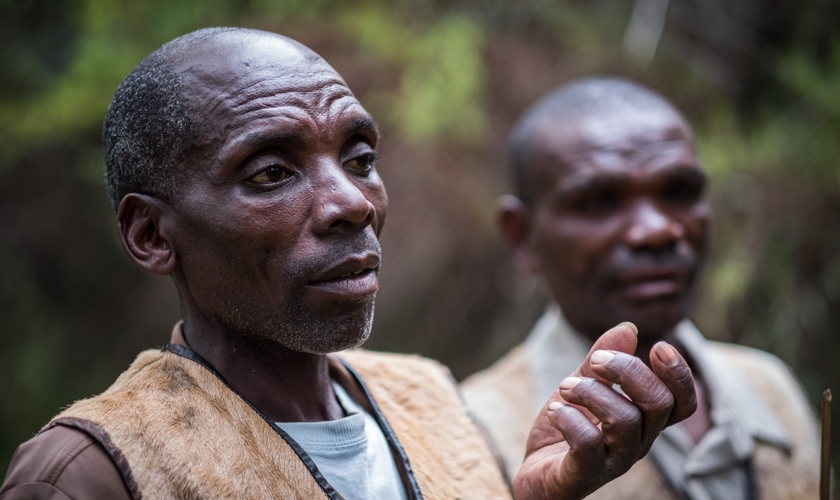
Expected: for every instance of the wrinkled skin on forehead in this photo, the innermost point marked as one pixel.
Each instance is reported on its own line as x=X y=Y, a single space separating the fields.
x=618 y=223
x=254 y=248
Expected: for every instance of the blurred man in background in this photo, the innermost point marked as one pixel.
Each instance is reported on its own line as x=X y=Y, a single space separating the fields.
x=610 y=212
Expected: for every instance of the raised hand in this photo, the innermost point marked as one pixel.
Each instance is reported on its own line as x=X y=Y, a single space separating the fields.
x=589 y=433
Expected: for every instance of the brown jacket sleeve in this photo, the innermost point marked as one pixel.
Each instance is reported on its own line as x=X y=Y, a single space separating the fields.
x=62 y=463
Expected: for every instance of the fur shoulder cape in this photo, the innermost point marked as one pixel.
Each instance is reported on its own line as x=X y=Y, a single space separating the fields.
x=175 y=430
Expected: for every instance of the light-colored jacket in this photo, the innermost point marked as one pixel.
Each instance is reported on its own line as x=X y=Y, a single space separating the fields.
x=760 y=417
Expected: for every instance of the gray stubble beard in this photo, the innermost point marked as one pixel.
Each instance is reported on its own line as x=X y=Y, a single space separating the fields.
x=311 y=335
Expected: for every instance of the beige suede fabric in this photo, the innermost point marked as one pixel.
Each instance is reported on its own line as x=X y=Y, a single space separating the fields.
x=184 y=434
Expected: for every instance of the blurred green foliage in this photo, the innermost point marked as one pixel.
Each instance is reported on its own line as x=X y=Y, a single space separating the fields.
x=441 y=89
x=760 y=81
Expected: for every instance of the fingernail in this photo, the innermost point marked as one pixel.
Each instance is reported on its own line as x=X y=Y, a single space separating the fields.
x=569 y=383
x=554 y=405
x=601 y=357
x=631 y=326
x=666 y=353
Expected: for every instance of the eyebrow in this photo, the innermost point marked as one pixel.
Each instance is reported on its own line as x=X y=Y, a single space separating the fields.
x=690 y=173
x=360 y=125
x=581 y=184
x=261 y=139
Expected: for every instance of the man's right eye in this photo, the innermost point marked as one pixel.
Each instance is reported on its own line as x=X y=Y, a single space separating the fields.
x=271 y=175
x=597 y=203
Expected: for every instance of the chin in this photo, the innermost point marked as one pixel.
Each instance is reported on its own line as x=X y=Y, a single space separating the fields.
x=314 y=334
x=656 y=320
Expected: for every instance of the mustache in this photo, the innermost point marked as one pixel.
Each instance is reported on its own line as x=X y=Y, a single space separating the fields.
x=335 y=252
x=677 y=259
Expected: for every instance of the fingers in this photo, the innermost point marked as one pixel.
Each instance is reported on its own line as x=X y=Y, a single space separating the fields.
x=621 y=420
x=663 y=396
x=602 y=432
x=621 y=338
x=649 y=395
x=586 y=458
x=674 y=372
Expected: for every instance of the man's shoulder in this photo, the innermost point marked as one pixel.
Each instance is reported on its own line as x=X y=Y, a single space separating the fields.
x=509 y=373
x=775 y=382
x=756 y=364
x=394 y=363
x=502 y=393
x=501 y=399
x=68 y=461
x=402 y=373
x=61 y=463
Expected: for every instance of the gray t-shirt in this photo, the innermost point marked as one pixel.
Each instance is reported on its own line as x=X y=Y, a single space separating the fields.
x=350 y=452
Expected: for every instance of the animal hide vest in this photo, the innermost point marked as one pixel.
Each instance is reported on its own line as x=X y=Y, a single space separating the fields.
x=175 y=430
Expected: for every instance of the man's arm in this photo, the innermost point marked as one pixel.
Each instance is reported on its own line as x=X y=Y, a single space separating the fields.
x=62 y=463
x=588 y=433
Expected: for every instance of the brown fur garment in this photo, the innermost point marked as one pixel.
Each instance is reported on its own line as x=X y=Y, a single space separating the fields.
x=184 y=434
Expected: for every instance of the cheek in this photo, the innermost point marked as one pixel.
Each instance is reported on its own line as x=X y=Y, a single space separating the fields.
x=696 y=223
x=572 y=249
x=241 y=243
x=377 y=195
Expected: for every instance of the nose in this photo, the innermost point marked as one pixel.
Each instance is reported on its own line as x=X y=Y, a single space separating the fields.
x=652 y=229
x=340 y=202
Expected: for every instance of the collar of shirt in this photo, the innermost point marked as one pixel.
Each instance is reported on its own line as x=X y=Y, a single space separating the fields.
x=739 y=417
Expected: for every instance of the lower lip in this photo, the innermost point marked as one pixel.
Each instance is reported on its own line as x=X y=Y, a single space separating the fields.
x=653 y=289
x=355 y=287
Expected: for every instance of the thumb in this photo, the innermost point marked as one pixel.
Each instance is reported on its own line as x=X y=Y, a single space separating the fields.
x=621 y=338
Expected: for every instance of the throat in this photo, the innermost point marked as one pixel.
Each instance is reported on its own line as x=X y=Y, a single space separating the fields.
x=284 y=385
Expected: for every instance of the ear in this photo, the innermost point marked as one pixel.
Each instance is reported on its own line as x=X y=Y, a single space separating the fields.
x=142 y=235
x=516 y=226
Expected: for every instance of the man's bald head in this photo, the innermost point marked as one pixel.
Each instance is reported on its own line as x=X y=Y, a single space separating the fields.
x=152 y=128
x=589 y=98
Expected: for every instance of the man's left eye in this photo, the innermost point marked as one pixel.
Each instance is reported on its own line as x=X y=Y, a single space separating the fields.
x=271 y=175
x=362 y=165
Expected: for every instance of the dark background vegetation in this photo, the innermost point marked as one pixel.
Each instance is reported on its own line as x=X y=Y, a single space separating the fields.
x=760 y=81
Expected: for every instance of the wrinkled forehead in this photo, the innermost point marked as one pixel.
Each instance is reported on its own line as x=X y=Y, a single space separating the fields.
x=622 y=138
x=237 y=74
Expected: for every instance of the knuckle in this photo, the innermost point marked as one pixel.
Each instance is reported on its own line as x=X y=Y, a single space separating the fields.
x=627 y=417
x=635 y=368
x=663 y=398
x=589 y=439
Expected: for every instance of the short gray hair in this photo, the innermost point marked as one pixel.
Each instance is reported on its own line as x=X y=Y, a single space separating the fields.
x=149 y=128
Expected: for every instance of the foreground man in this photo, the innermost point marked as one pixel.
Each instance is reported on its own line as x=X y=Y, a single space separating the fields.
x=241 y=164
x=610 y=212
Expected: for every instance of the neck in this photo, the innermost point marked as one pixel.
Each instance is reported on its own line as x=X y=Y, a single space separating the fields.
x=285 y=385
